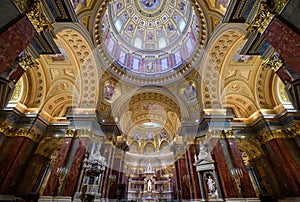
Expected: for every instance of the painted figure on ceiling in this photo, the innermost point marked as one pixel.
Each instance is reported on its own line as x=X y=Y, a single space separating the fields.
x=109 y=90
x=190 y=91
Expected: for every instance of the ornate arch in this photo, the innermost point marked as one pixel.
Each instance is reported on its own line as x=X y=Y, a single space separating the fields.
x=86 y=56
x=217 y=50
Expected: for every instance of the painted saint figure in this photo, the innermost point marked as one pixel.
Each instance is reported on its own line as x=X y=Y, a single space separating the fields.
x=190 y=91
x=109 y=91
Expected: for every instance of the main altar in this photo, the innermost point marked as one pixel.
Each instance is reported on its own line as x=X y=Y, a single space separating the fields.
x=147 y=187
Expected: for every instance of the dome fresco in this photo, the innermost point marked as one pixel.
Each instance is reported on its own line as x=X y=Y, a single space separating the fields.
x=150 y=37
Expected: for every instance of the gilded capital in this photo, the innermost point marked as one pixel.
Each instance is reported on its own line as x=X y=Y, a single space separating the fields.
x=27 y=61
x=276 y=134
x=38 y=18
x=263 y=18
x=26 y=132
x=70 y=133
x=214 y=134
x=220 y=134
x=5 y=129
x=273 y=62
x=23 y=5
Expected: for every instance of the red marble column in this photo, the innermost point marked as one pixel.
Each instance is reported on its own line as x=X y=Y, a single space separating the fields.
x=23 y=151
x=115 y=171
x=14 y=40
x=285 y=41
x=60 y=162
x=107 y=153
x=175 y=185
x=223 y=170
x=75 y=168
x=287 y=166
x=4 y=150
x=193 y=173
x=181 y=172
x=11 y=149
x=247 y=188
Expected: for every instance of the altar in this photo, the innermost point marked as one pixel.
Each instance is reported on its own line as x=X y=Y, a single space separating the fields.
x=148 y=188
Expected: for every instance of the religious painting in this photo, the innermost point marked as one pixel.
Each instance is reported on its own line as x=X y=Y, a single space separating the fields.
x=181 y=6
x=150 y=4
x=78 y=4
x=149 y=148
x=189 y=91
x=134 y=147
x=109 y=91
x=223 y=3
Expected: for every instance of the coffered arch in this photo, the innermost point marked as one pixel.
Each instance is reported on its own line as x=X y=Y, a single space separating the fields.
x=86 y=56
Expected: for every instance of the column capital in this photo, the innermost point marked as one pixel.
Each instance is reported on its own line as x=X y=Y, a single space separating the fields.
x=263 y=18
x=220 y=134
x=9 y=131
x=38 y=18
x=27 y=61
x=83 y=133
x=276 y=134
x=273 y=62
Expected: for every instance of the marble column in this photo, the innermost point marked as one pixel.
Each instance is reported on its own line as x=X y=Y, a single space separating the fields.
x=265 y=176
x=21 y=150
x=203 y=195
x=75 y=168
x=107 y=153
x=224 y=165
x=247 y=188
x=285 y=166
x=193 y=173
x=14 y=40
x=33 y=175
x=60 y=162
x=183 y=178
x=285 y=41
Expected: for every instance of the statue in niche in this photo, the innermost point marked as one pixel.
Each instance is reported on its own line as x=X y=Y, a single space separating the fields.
x=190 y=91
x=211 y=185
x=149 y=185
x=109 y=90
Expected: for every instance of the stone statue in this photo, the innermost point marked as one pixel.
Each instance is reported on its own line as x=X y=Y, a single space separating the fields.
x=211 y=184
x=203 y=155
x=149 y=184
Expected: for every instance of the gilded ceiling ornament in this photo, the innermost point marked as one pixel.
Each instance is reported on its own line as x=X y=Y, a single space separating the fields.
x=273 y=62
x=38 y=18
x=26 y=61
x=262 y=19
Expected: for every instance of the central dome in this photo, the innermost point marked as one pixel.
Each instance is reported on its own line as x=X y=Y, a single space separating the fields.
x=150 y=38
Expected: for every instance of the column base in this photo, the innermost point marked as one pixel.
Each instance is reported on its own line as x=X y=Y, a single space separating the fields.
x=242 y=200
x=289 y=199
x=55 y=199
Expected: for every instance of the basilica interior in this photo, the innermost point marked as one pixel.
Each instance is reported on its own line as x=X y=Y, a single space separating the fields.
x=150 y=100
